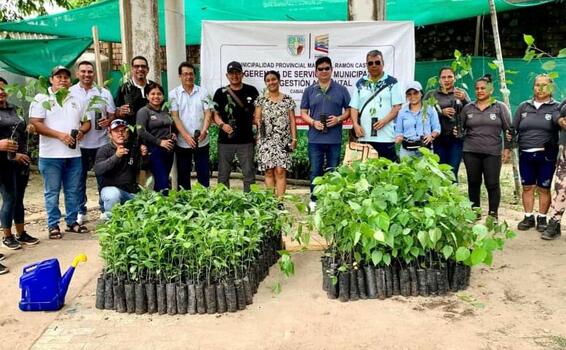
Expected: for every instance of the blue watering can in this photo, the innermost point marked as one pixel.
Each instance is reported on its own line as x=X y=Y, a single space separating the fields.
x=43 y=287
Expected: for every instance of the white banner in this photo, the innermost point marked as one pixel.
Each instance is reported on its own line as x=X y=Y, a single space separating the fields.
x=291 y=48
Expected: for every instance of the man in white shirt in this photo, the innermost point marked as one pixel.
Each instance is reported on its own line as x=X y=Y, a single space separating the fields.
x=100 y=106
x=189 y=109
x=60 y=128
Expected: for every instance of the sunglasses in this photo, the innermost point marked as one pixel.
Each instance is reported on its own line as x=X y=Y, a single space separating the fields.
x=321 y=69
x=139 y=66
x=372 y=63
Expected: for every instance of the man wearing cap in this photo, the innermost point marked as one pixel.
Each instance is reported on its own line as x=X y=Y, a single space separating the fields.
x=375 y=103
x=117 y=164
x=60 y=128
x=100 y=104
x=131 y=96
x=191 y=114
x=234 y=116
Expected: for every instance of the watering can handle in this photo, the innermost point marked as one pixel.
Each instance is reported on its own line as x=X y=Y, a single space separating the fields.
x=78 y=259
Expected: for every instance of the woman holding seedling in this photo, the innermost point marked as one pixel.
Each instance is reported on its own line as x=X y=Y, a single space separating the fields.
x=536 y=126
x=450 y=101
x=275 y=115
x=415 y=127
x=14 y=175
x=484 y=122
x=156 y=130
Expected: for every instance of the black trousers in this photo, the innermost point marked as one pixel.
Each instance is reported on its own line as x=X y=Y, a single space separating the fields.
x=488 y=166
x=13 y=181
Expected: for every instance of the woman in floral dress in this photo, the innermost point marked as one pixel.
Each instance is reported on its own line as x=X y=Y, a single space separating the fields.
x=275 y=115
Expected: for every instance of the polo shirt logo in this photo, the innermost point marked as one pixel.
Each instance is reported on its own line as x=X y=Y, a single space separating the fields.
x=524 y=115
x=548 y=116
x=492 y=116
x=470 y=115
x=153 y=117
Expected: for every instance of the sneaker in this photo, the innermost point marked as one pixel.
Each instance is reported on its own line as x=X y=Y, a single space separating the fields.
x=2 y=257
x=24 y=238
x=3 y=269
x=527 y=223
x=11 y=242
x=552 y=230
x=541 y=223
x=81 y=218
x=312 y=206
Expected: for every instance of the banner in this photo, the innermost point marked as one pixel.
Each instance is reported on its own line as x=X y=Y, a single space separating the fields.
x=291 y=48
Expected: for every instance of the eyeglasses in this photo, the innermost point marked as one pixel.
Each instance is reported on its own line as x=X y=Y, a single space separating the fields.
x=139 y=66
x=371 y=63
x=320 y=69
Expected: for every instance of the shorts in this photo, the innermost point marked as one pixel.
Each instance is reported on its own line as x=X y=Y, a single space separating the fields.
x=537 y=168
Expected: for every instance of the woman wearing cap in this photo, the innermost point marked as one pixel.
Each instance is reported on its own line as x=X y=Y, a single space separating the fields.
x=275 y=113
x=483 y=123
x=536 y=126
x=14 y=176
x=156 y=130
x=451 y=100
x=414 y=126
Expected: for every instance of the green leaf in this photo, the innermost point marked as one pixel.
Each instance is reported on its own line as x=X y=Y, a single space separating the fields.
x=562 y=53
x=492 y=66
x=434 y=234
x=357 y=237
x=387 y=259
x=478 y=255
x=457 y=54
x=355 y=206
x=276 y=289
x=480 y=231
x=548 y=65
x=376 y=257
x=462 y=254
x=447 y=251
x=379 y=236
x=423 y=238
x=528 y=39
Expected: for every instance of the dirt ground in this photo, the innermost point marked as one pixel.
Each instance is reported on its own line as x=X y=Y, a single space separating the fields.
x=518 y=303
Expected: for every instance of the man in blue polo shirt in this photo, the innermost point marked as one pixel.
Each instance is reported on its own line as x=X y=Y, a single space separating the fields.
x=375 y=103
x=324 y=107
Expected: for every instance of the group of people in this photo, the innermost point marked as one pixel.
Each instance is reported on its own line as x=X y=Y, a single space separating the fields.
x=137 y=132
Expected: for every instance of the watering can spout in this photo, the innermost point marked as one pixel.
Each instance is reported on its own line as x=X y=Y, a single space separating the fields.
x=66 y=278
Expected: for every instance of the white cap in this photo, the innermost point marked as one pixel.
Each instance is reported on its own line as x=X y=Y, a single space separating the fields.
x=414 y=85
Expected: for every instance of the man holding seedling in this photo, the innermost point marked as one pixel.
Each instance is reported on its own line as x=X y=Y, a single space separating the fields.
x=324 y=106
x=100 y=104
x=60 y=120
x=117 y=165
x=190 y=111
x=375 y=103
x=234 y=116
x=131 y=96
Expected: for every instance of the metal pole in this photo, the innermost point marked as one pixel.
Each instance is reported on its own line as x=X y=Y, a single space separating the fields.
x=97 y=63
x=504 y=91
x=477 y=41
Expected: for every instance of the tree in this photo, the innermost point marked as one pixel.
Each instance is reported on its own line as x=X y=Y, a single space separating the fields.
x=18 y=9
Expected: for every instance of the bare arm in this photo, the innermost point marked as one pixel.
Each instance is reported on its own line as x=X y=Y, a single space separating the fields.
x=388 y=117
x=44 y=130
x=181 y=128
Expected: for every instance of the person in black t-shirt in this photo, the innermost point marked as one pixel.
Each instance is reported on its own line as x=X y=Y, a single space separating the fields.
x=131 y=96
x=234 y=108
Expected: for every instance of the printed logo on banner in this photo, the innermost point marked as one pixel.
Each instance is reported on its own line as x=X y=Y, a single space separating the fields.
x=321 y=43
x=296 y=44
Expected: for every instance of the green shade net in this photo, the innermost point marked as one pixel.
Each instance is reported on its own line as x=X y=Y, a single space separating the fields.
x=521 y=85
x=105 y=15
x=37 y=57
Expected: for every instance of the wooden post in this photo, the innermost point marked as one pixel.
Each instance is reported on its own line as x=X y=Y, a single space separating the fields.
x=366 y=10
x=478 y=30
x=504 y=91
x=97 y=63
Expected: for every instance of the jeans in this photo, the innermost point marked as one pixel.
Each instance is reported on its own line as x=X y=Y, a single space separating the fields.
x=88 y=157
x=450 y=150
x=111 y=196
x=245 y=154
x=185 y=165
x=59 y=172
x=160 y=163
x=318 y=153
x=385 y=150
x=13 y=181
x=403 y=152
x=488 y=166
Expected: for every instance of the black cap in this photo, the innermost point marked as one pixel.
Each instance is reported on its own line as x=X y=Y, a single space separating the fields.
x=57 y=69
x=234 y=66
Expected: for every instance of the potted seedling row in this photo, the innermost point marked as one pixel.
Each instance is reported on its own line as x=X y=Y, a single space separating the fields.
x=196 y=252
x=399 y=229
